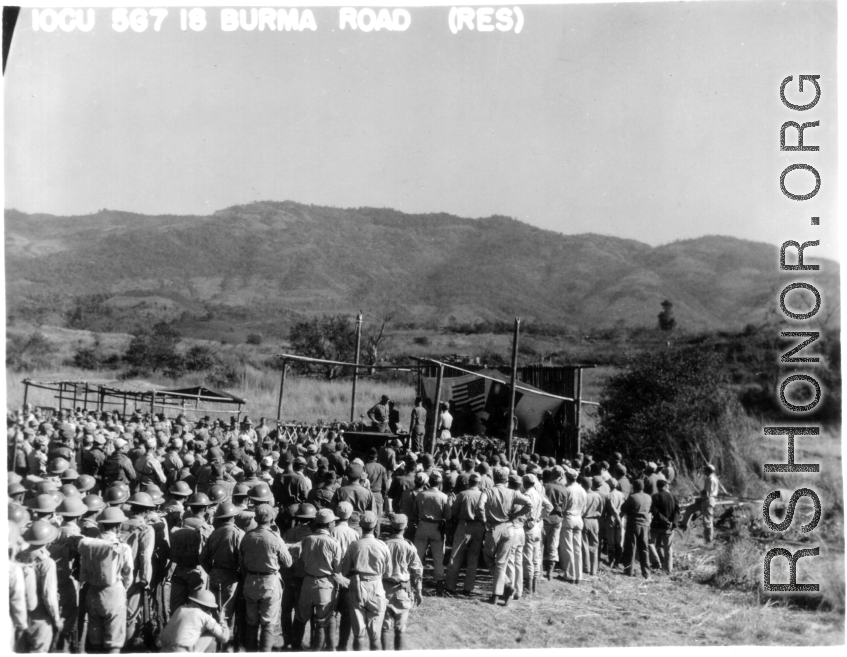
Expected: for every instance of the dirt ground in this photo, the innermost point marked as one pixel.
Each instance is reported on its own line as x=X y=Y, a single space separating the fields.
x=612 y=609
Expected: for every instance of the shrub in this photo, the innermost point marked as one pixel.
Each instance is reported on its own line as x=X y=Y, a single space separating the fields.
x=677 y=401
x=254 y=338
x=30 y=352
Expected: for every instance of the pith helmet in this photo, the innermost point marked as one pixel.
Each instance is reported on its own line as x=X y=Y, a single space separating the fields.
x=72 y=507
x=306 y=511
x=41 y=532
x=142 y=499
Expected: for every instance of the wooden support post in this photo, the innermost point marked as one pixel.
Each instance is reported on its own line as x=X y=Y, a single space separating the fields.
x=124 y=405
x=153 y=405
x=356 y=370
x=61 y=395
x=73 y=404
x=512 y=390
x=436 y=411
x=281 y=391
x=26 y=392
x=578 y=404
x=85 y=400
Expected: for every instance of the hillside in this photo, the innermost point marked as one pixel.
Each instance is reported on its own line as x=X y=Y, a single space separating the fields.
x=266 y=263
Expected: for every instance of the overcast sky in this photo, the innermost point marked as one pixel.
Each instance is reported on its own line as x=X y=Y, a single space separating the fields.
x=654 y=122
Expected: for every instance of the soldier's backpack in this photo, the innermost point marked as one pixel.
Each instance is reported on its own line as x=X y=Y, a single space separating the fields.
x=98 y=561
x=30 y=578
x=186 y=544
x=130 y=534
x=113 y=470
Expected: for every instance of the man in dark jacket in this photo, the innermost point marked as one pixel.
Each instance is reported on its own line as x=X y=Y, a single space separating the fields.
x=637 y=512
x=665 y=510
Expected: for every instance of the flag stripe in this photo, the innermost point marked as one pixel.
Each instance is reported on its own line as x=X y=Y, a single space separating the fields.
x=470 y=393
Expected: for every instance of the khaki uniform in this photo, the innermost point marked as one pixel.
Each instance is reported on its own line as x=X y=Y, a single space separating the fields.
x=404 y=574
x=106 y=566
x=365 y=563
x=261 y=555
x=500 y=505
x=570 y=542
x=190 y=629
x=468 y=539
x=431 y=509
x=219 y=559
x=321 y=557
x=44 y=613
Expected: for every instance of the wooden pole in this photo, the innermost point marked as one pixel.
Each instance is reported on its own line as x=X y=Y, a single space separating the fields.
x=512 y=390
x=578 y=404
x=356 y=370
x=26 y=392
x=153 y=405
x=73 y=404
x=61 y=395
x=86 y=397
x=436 y=411
x=281 y=391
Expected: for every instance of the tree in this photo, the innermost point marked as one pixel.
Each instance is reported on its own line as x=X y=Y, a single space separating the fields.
x=328 y=338
x=30 y=352
x=675 y=401
x=666 y=318
x=155 y=350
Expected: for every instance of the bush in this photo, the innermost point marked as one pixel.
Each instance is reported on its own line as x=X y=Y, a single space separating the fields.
x=675 y=401
x=254 y=338
x=30 y=352
x=422 y=340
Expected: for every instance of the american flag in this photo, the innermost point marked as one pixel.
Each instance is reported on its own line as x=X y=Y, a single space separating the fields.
x=471 y=394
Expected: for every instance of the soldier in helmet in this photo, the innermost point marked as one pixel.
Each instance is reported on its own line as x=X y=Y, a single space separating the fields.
x=62 y=549
x=260 y=556
x=106 y=566
x=216 y=495
x=44 y=620
x=292 y=577
x=17 y=583
x=193 y=628
x=402 y=580
x=141 y=539
x=92 y=461
x=94 y=504
x=116 y=495
x=321 y=556
x=187 y=543
x=365 y=563
x=219 y=559
x=240 y=498
x=43 y=507
x=85 y=484
x=179 y=492
x=55 y=469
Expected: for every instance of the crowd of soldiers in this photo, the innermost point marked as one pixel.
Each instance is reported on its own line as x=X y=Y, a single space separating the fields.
x=146 y=533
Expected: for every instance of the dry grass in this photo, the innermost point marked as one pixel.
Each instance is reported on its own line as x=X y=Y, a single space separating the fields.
x=305 y=400
x=614 y=610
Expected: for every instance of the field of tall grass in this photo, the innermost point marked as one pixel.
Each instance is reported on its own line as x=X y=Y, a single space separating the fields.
x=306 y=399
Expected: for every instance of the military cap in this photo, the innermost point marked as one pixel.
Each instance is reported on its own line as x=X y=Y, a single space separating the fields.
x=399 y=521
x=596 y=482
x=529 y=480
x=368 y=520
x=325 y=516
x=264 y=514
x=344 y=510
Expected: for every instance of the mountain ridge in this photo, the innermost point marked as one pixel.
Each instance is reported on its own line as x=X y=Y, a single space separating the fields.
x=290 y=259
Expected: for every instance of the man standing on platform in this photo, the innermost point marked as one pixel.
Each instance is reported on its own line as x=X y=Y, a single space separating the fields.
x=379 y=415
